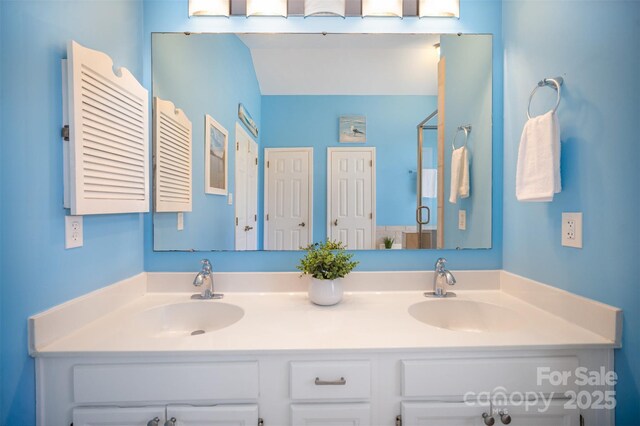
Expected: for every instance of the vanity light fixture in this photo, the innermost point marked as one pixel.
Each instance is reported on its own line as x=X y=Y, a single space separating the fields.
x=382 y=8
x=267 y=8
x=439 y=8
x=325 y=8
x=210 y=8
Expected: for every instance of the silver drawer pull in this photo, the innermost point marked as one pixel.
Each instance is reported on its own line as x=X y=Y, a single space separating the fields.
x=340 y=382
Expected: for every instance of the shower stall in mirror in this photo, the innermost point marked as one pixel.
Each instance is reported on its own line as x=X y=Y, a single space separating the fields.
x=426 y=185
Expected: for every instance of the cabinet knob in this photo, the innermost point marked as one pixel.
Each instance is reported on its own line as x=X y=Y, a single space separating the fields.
x=504 y=417
x=154 y=422
x=335 y=222
x=488 y=419
x=302 y=224
x=171 y=422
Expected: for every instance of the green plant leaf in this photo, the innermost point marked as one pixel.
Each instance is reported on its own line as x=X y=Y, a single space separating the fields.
x=326 y=261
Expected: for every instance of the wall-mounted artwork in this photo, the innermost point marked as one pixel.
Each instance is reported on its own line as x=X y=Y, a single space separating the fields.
x=216 y=157
x=353 y=129
x=246 y=119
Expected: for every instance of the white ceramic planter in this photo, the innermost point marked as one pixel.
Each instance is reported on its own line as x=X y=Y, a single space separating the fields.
x=325 y=292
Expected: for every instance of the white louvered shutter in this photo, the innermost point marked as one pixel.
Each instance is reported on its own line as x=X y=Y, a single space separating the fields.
x=108 y=136
x=172 y=158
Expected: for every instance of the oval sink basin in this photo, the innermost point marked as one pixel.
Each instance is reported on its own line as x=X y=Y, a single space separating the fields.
x=187 y=319
x=466 y=315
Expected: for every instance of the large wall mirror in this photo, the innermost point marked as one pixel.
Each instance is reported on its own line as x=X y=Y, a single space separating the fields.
x=381 y=141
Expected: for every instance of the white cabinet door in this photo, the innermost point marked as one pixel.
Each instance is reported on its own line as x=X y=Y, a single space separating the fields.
x=218 y=415
x=442 y=414
x=555 y=414
x=330 y=414
x=461 y=414
x=117 y=416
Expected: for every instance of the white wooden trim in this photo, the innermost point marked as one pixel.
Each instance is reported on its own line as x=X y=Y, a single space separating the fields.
x=330 y=150
x=208 y=122
x=266 y=190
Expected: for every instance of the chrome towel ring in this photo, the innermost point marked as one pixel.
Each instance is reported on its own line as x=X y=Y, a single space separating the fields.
x=467 y=129
x=555 y=83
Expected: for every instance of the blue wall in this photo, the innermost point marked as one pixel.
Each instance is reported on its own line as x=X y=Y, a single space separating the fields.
x=37 y=272
x=478 y=16
x=204 y=74
x=1 y=209
x=594 y=45
x=296 y=121
x=468 y=101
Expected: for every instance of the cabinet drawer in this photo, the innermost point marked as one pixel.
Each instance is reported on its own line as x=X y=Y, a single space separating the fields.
x=330 y=380
x=456 y=377
x=110 y=383
x=330 y=414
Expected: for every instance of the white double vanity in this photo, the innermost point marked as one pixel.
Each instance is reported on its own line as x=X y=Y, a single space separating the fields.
x=142 y=352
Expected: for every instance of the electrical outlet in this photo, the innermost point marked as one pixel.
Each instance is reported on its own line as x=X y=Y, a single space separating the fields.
x=180 y=221
x=462 y=220
x=73 y=232
x=572 y=230
x=230 y=199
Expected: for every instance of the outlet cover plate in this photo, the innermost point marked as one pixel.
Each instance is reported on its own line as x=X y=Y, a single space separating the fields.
x=73 y=232
x=572 y=229
x=180 y=221
x=462 y=220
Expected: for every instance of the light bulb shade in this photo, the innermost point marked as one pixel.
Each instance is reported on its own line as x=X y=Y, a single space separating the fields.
x=382 y=8
x=210 y=8
x=267 y=8
x=439 y=8
x=325 y=8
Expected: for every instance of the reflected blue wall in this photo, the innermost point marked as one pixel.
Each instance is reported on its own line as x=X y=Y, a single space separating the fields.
x=204 y=74
x=468 y=101
x=312 y=121
x=594 y=45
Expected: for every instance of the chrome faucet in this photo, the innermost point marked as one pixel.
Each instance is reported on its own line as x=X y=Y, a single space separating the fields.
x=206 y=274
x=441 y=279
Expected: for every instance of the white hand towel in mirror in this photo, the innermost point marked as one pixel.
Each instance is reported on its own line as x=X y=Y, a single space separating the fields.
x=429 y=183
x=459 y=175
x=538 y=169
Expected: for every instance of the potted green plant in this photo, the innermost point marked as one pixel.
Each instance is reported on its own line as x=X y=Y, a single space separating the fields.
x=327 y=263
x=388 y=242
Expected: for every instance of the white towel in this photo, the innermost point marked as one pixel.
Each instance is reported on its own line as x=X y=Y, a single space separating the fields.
x=459 y=175
x=538 y=170
x=429 y=183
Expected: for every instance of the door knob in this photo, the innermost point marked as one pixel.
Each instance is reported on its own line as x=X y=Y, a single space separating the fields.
x=302 y=224
x=335 y=222
x=171 y=422
x=504 y=417
x=488 y=420
x=248 y=228
x=154 y=422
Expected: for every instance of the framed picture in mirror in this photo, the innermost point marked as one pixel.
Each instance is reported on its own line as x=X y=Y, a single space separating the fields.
x=353 y=129
x=216 y=157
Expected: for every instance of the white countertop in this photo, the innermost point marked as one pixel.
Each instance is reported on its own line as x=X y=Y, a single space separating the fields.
x=287 y=321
